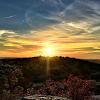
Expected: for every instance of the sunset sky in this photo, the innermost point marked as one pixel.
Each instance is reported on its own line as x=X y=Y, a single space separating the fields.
x=70 y=27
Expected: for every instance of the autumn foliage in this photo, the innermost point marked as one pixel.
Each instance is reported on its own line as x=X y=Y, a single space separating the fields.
x=78 y=88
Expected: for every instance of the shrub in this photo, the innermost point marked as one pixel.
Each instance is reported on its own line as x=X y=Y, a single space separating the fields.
x=79 y=89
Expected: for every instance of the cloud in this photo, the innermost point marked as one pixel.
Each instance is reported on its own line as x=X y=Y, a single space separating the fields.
x=90 y=49
x=25 y=48
x=70 y=26
x=40 y=14
x=13 y=42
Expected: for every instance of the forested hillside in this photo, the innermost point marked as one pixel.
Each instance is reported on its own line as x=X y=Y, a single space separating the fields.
x=60 y=67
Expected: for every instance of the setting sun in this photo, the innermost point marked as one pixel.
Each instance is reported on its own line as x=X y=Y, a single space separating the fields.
x=48 y=52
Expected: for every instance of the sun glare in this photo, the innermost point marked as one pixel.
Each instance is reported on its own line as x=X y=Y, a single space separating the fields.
x=48 y=52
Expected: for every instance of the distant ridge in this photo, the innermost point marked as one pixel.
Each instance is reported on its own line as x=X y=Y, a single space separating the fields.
x=95 y=61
